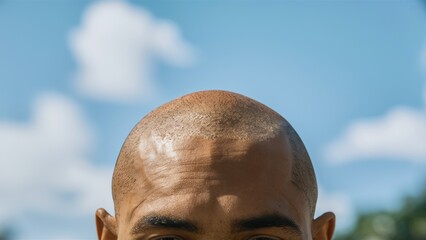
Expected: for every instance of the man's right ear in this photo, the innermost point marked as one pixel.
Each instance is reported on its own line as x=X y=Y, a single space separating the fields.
x=106 y=225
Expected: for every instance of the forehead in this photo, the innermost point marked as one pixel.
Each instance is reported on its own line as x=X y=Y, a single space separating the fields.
x=224 y=180
x=176 y=165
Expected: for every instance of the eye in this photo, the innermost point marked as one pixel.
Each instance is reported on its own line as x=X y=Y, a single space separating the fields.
x=264 y=237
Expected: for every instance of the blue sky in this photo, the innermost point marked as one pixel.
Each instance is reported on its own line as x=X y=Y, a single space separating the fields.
x=75 y=76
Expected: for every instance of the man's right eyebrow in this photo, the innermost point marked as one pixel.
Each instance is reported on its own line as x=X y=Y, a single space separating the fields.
x=266 y=221
x=164 y=222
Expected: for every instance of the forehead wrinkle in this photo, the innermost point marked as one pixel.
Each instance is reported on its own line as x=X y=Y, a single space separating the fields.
x=219 y=169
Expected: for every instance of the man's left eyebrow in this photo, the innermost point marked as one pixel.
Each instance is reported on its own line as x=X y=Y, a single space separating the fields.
x=266 y=221
x=164 y=222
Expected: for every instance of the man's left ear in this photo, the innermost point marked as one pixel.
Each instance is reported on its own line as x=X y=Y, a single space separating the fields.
x=323 y=226
x=106 y=225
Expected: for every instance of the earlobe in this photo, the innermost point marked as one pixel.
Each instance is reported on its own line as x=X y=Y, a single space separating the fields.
x=105 y=225
x=323 y=226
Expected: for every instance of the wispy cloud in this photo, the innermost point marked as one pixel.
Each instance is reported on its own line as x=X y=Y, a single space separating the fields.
x=45 y=166
x=117 y=45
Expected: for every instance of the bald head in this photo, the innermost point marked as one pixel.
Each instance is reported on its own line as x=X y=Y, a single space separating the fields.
x=214 y=165
x=215 y=116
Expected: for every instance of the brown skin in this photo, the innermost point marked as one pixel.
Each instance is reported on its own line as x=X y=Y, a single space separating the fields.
x=210 y=189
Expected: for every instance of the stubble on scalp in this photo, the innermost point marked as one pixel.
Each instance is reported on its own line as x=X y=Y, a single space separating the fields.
x=211 y=115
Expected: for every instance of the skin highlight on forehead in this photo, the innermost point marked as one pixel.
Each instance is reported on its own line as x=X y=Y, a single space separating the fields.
x=211 y=115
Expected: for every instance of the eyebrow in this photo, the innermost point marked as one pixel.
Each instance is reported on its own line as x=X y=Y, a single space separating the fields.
x=263 y=221
x=165 y=222
x=266 y=221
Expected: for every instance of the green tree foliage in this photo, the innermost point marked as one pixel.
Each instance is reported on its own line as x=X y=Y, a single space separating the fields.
x=407 y=223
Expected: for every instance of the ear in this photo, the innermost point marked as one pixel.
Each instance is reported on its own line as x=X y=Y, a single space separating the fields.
x=106 y=225
x=323 y=226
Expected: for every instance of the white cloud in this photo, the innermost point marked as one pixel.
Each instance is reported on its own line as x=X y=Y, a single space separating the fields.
x=339 y=204
x=116 y=47
x=400 y=134
x=44 y=164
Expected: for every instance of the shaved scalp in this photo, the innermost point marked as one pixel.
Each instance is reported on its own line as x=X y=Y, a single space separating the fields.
x=212 y=115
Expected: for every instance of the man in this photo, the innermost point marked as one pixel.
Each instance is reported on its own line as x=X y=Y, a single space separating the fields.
x=214 y=165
